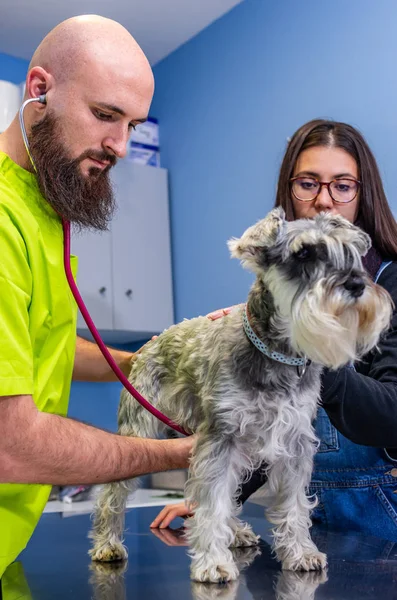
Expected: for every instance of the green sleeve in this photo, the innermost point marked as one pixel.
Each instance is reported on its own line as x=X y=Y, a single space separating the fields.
x=16 y=361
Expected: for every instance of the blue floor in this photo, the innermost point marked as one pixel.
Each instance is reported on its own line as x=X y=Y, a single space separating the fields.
x=55 y=566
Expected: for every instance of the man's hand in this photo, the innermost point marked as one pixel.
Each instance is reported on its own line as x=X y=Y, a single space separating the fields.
x=38 y=447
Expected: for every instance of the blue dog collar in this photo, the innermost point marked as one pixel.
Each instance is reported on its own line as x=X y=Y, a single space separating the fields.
x=282 y=358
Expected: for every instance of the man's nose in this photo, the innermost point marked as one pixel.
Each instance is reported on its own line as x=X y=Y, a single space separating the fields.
x=117 y=143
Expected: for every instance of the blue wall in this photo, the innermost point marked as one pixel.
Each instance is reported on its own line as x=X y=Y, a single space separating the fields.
x=229 y=98
x=13 y=69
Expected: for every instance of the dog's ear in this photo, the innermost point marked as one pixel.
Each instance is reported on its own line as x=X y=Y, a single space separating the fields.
x=349 y=233
x=362 y=242
x=255 y=239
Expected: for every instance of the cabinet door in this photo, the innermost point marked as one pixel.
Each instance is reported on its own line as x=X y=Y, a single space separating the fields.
x=94 y=277
x=141 y=250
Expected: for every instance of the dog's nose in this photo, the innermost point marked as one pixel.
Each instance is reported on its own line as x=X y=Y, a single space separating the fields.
x=355 y=285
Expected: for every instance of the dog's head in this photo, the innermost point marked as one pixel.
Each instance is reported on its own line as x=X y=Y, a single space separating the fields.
x=313 y=269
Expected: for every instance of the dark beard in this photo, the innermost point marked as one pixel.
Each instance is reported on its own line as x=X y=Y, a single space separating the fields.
x=87 y=201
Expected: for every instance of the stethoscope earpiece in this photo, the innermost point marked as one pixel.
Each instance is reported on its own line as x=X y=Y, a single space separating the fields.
x=43 y=100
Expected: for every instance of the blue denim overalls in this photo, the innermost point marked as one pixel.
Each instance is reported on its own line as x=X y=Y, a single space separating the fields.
x=356 y=485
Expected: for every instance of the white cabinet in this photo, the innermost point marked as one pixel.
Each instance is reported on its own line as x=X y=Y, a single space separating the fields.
x=94 y=278
x=125 y=274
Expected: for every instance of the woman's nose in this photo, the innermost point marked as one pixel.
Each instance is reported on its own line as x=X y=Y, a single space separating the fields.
x=324 y=199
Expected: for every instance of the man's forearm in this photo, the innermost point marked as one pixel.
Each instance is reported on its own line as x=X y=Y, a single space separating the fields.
x=90 y=364
x=50 y=449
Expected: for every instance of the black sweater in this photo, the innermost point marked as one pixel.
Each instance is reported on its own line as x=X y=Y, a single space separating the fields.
x=361 y=403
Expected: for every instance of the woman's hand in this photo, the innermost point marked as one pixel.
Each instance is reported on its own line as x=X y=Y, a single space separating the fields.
x=169 y=513
x=217 y=314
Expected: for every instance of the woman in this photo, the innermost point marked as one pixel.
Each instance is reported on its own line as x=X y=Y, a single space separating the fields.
x=328 y=166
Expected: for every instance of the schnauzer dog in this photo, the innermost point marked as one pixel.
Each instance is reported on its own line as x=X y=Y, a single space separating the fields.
x=249 y=385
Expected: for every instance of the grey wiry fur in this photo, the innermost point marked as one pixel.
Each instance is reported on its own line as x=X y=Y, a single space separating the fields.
x=311 y=298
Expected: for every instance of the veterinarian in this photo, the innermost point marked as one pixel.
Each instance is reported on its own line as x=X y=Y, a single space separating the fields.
x=98 y=85
x=355 y=471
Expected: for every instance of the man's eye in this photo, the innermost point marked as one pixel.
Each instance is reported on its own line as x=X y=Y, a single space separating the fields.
x=103 y=116
x=131 y=126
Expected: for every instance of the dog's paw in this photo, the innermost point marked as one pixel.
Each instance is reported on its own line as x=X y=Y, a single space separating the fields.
x=245 y=537
x=109 y=552
x=308 y=561
x=214 y=573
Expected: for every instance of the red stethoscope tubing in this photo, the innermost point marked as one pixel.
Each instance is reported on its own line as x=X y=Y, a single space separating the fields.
x=91 y=326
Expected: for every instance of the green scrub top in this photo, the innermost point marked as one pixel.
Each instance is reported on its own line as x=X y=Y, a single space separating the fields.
x=37 y=330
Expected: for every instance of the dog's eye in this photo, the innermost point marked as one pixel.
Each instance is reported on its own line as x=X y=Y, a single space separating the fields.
x=304 y=253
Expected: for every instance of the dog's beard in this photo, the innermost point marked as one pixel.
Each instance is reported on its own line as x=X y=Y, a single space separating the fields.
x=333 y=329
x=87 y=201
x=375 y=312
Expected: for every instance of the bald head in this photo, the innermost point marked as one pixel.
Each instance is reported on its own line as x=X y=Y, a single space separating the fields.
x=98 y=86
x=71 y=48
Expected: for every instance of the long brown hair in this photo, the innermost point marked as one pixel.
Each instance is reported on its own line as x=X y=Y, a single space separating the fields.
x=374 y=214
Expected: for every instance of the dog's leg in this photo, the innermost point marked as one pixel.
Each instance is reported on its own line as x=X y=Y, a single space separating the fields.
x=243 y=534
x=290 y=510
x=108 y=528
x=215 y=474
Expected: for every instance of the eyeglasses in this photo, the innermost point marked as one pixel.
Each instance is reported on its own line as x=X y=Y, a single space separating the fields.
x=342 y=191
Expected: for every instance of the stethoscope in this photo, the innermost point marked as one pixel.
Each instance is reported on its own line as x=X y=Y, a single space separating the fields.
x=80 y=303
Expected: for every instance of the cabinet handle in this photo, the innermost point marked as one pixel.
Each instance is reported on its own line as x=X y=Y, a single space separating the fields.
x=102 y=290
x=128 y=293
